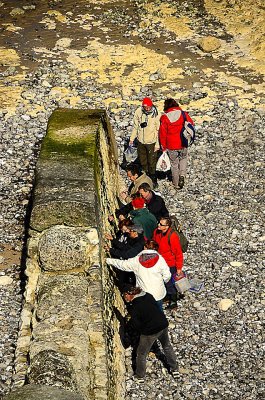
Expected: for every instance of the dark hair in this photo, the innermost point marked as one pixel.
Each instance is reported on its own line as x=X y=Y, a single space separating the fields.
x=170 y=103
x=125 y=222
x=130 y=289
x=151 y=245
x=134 y=169
x=146 y=187
x=167 y=219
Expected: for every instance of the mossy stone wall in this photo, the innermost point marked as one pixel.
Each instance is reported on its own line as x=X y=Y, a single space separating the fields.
x=69 y=331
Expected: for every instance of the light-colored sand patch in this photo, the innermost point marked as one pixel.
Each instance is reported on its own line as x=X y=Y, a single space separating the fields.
x=9 y=57
x=9 y=98
x=245 y=20
x=58 y=16
x=124 y=65
x=12 y=28
x=165 y=15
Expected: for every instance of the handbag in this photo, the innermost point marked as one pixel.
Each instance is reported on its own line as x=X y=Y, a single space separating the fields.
x=130 y=154
x=163 y=163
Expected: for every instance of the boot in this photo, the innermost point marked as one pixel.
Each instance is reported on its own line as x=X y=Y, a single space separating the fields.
x=181 y=182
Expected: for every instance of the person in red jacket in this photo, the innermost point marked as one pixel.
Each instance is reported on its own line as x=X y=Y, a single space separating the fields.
x=170 y=248
x=171 y=124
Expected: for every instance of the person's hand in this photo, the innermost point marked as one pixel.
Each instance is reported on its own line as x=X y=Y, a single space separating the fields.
x=108 y=236
x=157 y=148
x=110 y=218
x=121 y=217
x=180 y=273
x=106 y=247
x=123 y=195
x=130 y=142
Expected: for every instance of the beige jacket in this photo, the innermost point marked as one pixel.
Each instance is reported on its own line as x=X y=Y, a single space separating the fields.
x=141 y=179
x=149 y=134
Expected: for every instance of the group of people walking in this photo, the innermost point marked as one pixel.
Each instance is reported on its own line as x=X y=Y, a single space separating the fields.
x=155 y=131
x=145 y=251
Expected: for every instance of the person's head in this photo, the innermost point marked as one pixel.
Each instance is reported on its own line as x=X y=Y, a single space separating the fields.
x=164 y=224
x=147 y=104
x=133 y=172
x=145 y=190
x=151 y=245
x=124 y=225
x=138 y=202
x=170 y=103
x=129 y=292
x=135 y=231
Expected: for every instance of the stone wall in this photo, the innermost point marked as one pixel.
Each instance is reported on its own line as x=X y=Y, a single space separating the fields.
x=69 y=333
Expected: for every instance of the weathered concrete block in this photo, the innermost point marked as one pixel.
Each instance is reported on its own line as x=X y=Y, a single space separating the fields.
x=42 y=392
x=49 y=367
x=63 y=248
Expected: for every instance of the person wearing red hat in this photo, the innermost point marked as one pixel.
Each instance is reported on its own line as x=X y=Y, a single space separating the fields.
x=142 y=216
x=146 y=124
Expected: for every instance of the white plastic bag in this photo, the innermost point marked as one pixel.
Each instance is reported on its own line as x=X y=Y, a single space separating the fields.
x=130 y=154
x=163 y=163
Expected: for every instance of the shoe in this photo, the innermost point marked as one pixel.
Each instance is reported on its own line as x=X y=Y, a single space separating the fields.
x=175 y=373
x=171 y=306
x=181 y=182
x=138 y=379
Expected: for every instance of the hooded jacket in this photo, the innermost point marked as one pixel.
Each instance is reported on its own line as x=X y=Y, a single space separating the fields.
x=148 y=134
x=143 y=217
x=150 y=269
x=128 y=249
x=170 y=249
x=171 y=124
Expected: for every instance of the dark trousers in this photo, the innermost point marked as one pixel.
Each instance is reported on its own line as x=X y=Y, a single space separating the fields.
x=148 y=157
x=145 y=344
x=170 y=287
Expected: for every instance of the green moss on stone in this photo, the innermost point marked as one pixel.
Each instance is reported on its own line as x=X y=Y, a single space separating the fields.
x=71 y=133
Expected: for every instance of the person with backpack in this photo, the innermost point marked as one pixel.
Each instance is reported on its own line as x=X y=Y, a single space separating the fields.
x=146 y=123
x=170 y=248
x=172 y=123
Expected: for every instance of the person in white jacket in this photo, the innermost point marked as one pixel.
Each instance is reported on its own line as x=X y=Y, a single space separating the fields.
x=150 y=269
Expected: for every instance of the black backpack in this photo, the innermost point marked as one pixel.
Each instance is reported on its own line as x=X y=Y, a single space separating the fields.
x=176 y=227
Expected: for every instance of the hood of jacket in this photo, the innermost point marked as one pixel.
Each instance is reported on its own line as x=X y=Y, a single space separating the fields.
x=148 y=259
x=173 y=114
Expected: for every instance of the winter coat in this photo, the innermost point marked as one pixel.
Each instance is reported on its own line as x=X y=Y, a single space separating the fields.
x=146 y=317
x=143 y=217
x=135 y=185
x=156 y=206
x=131 y=248
x=149 y=134
x=150 y=269
x=169 y=248
x=171 y=124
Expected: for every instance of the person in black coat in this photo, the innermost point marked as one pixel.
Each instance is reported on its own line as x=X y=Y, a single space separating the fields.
x=124 y=250
x=151 y=323
x=154 y=203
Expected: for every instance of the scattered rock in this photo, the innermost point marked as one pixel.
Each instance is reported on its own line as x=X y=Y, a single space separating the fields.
x=209 y=44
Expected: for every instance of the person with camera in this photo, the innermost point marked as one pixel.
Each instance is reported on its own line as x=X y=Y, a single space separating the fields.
x=146 y=124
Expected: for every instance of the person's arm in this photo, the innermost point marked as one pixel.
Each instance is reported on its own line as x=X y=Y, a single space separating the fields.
x=163 y=132
x=157 y=126
x=177 y=251
x=123 y=265
x=136 y=123
x=124 y=210
x=165 y=271
x=163 y=209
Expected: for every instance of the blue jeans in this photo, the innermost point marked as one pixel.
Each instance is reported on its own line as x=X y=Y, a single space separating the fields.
x=145 y=345
x=171 y=289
